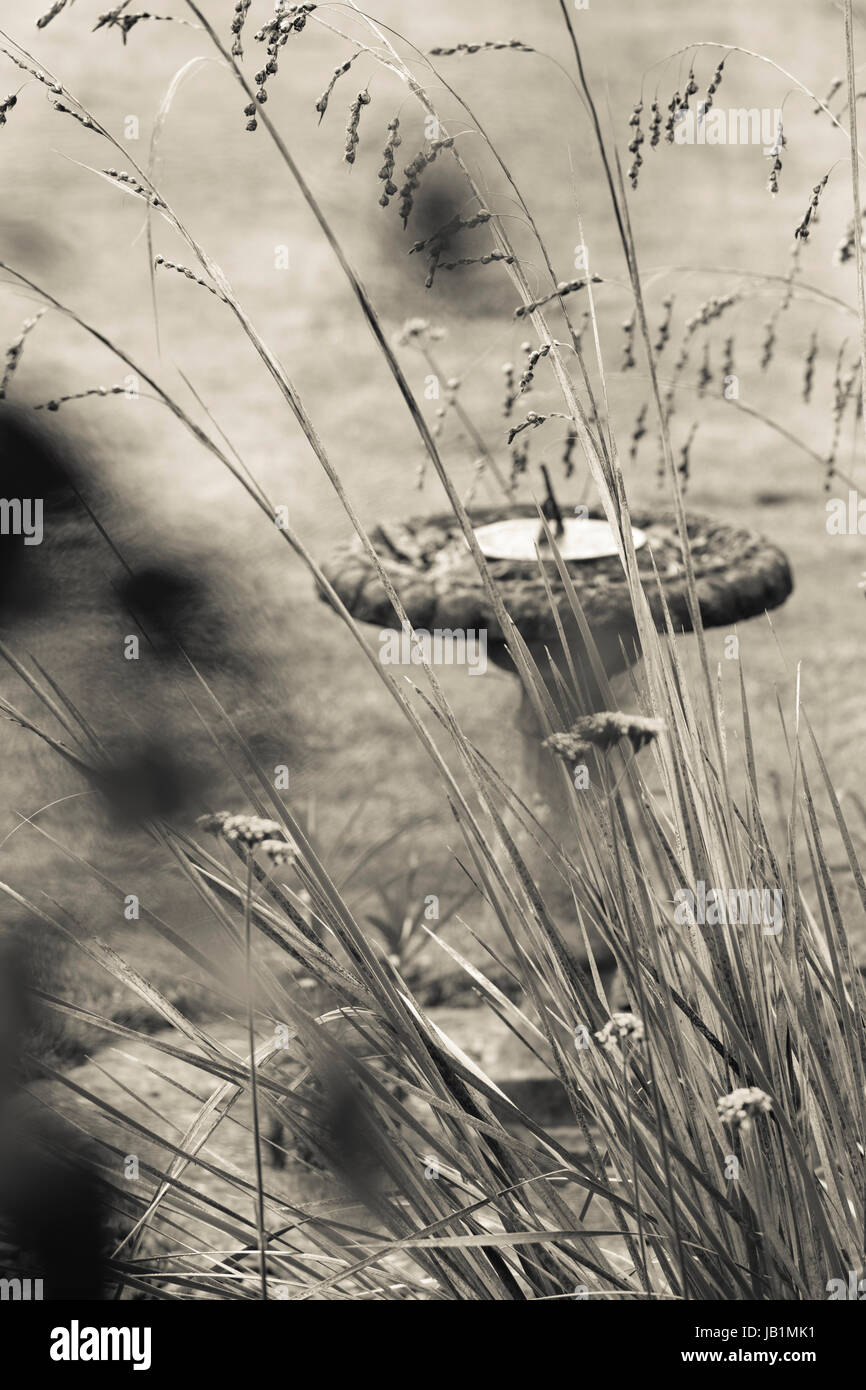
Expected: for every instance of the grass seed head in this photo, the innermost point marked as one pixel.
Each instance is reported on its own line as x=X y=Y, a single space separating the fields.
x=802 y=232
x=655 y=125
x=727 y=362
x=809 y=368
x=674 y=106
x=352 y=136
x=705 y=375
x=846 y=248
x=562 y=289
x=843 y=385
x=568 y=453
x=14 y=351
x=117 y=19
x=686 y=454
x=68 y=111
x=713 y=87
x=776 y=157
x=519 y=463
x=834 y=87
x=468 y=49
x=707 y=313
x=665 y=325
x=54 y=405
x=52 y=13
x=412 y=174
x=638 y=432
x=510 y=391
x=187 y=274
x=532 y=420
x=132 y=183
x=635 y=143
x=450 y=228
x=240 y=15
x=533 y=359
x=488 y=258
x=288 y=20
x=322 y=103
x=628 y=328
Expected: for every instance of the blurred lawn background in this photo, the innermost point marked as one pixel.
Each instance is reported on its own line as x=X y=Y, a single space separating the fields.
x=698 y=207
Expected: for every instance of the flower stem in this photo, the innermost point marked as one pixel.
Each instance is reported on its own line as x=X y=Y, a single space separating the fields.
x=254 y=1095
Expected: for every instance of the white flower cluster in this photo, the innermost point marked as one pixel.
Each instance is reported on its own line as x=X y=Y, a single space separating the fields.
x=741 y=1105
x=254 y=832
x=619 y=1027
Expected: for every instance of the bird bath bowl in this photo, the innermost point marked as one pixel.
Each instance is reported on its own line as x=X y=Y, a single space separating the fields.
x=738 y=574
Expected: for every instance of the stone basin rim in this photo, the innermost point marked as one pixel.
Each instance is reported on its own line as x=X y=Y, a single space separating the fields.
x=739 y=574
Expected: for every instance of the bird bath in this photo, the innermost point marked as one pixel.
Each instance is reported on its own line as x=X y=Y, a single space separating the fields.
x=738 y=575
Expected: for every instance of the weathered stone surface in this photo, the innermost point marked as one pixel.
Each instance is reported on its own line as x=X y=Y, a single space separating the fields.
x=739 y=574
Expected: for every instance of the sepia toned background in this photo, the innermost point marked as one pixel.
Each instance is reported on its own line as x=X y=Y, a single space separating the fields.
x=285 y=667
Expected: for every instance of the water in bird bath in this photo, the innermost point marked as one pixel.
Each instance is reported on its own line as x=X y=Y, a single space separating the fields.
x=583 y=538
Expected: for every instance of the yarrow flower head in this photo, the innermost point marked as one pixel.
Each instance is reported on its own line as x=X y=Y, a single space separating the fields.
x=603 y=731
x=418 y=331
x=619 y=1027
x=738 y=1108
x=279 y=851
x=248 y=830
